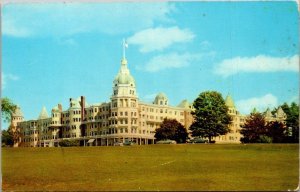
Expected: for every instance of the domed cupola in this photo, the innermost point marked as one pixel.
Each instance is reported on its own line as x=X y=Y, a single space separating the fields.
x=161 y=99
x=124 y=76
x=124 y=83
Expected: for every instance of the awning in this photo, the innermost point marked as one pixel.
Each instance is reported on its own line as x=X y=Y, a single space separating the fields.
x=91 y=141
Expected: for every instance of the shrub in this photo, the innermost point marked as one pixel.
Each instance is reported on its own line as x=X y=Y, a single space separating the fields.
x=68 y=143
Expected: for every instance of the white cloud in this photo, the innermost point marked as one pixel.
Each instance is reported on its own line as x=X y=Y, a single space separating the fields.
x=171 y=60
x=260 y=103
x=159 y=38
x=8 y=77
x=62 y=19
x=260 y=63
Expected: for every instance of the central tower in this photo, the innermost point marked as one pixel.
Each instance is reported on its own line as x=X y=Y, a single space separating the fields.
x=124 y=84
x=124 y=100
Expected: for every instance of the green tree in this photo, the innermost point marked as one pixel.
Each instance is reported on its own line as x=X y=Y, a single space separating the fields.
x=211 y=116
x=254 y=128
x=6 y=138
x=7 y=108
x=292 y=120
x=171 y=129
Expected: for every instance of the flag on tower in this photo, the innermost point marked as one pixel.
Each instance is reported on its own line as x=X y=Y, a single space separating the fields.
x=125 y=43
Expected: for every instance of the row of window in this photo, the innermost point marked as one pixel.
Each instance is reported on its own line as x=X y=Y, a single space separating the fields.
x=131 y=92
x=18 y=118
x=92 y=133
x=121 y=113
x=162 y=111
x=76 y=119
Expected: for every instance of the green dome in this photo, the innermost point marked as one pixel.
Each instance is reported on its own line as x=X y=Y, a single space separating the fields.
x=74 y=104
x=122 y=78
x=184 y=104
x=161 y=96
x=55 y=109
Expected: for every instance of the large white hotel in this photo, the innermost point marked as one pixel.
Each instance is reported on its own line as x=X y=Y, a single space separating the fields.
x=125 y=117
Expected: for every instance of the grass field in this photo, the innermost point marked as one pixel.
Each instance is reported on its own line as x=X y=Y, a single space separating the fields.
x=153 y=167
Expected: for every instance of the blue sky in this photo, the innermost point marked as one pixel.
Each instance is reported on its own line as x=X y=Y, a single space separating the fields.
x=51 y=52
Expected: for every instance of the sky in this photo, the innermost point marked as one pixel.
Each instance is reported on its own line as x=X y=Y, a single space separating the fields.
x=54 y=51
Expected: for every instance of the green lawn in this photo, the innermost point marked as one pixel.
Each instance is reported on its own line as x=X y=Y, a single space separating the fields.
x=153 y=167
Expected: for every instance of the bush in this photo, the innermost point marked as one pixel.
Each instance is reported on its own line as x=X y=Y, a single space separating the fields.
x=69 y=143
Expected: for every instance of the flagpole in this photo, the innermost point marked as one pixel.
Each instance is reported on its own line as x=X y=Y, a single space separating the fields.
x=123 y=48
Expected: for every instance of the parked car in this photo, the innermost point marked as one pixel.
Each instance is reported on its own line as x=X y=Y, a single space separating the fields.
x=198 y=140
x=166 y=142
x=129 y=143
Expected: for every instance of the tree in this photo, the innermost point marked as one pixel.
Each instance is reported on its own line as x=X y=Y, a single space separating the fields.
x=292 y=120
x=171 y=129
x=7 y=108
x=254 y=128
x=211 y=116
x=276 y=130
x=6 y=138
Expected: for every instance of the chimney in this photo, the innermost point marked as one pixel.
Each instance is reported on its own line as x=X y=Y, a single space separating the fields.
x=59 y=107
x=82 y=102
x=70 y=102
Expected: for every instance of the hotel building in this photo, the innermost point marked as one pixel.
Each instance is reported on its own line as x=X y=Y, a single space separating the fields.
x=123 y=118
